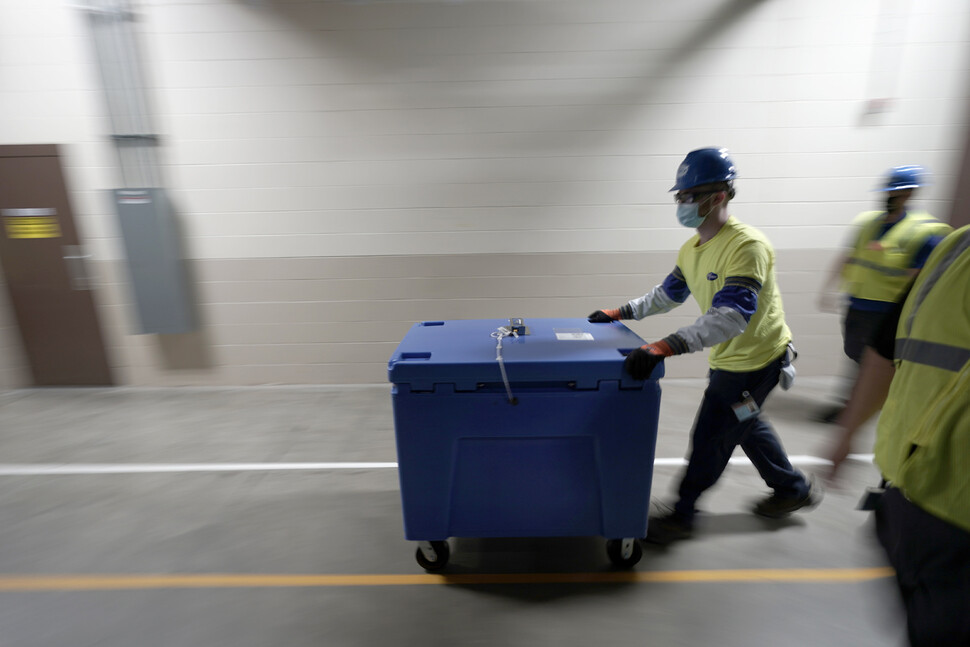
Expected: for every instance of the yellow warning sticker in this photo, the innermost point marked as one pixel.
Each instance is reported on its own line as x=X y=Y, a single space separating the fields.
x=32 y=227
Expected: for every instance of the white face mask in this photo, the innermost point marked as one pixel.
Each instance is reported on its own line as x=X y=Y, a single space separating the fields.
x=689 y=215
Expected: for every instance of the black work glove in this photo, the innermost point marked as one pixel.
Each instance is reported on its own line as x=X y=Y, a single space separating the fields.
x=641 y=362
x=604 y=316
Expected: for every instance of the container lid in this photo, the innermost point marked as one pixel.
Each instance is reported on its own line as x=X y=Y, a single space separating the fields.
x=463 y=353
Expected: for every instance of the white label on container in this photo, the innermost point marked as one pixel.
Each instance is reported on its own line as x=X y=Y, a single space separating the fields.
x=573 y=335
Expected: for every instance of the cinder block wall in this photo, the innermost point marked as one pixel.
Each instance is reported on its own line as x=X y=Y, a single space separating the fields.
x=344 y=169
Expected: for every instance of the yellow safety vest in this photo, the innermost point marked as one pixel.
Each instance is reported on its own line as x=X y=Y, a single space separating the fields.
x=878 y=269
x=923 y=437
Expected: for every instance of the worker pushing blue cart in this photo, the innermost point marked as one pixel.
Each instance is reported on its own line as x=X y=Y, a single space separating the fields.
x=507 y=428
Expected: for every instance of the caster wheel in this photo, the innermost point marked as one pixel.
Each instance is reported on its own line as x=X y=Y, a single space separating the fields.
x=432 y=555
x=624 y=553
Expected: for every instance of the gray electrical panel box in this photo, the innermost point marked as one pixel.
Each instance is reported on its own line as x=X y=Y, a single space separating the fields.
x=158 y=277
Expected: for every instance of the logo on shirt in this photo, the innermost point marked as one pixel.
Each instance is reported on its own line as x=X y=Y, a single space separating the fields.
x=711 y=276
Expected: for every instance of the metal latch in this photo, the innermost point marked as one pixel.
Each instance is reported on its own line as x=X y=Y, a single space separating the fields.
x=517 y=326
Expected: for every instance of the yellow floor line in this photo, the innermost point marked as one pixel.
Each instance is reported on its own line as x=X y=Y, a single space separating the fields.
x=106 y=582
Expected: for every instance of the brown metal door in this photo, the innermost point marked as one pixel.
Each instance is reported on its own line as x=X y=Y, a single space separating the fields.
x=45 y=272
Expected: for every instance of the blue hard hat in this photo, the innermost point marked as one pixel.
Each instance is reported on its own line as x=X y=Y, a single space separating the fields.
x=704 y=166
x=910 y=176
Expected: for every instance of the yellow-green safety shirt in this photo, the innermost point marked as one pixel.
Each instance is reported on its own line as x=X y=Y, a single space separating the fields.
x=742 y=254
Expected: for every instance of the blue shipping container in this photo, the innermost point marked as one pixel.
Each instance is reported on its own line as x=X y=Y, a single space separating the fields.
x=572 y=457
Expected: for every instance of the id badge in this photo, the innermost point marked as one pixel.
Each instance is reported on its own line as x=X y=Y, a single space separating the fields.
x=747 y=408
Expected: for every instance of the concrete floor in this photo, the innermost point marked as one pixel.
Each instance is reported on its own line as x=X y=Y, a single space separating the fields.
x=330 y=521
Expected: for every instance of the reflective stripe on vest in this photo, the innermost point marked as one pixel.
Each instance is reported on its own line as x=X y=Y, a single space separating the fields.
x=949 y=358
x=882 y=269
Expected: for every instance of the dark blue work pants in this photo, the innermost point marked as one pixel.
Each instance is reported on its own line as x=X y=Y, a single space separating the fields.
x=932 y=562
x=717 y=431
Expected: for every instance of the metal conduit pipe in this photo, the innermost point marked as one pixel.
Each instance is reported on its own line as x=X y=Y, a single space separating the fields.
x=111 y=24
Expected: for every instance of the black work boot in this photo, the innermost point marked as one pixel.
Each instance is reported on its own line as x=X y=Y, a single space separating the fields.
x=668 y=528
x=778 y=506
x=829 y=415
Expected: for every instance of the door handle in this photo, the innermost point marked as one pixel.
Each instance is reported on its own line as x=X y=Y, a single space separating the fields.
x=77 y=268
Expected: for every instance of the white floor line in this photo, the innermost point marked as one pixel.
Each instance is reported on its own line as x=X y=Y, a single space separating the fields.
x=148 y=468
x=155 y=468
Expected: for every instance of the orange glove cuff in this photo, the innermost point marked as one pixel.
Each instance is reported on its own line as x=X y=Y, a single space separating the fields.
x=659 y=348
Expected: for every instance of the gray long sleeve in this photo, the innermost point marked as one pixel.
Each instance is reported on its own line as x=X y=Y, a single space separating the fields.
x=654 y=302
x=714 y=327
